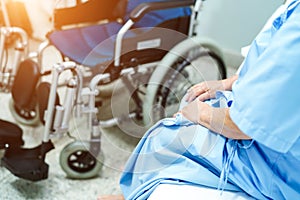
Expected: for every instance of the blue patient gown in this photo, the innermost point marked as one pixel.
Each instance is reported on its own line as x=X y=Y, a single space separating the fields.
x=264 y=104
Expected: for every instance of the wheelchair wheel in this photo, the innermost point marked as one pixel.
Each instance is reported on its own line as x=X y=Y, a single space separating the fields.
x=23 y=104
x=77 y=161
x=192 y=61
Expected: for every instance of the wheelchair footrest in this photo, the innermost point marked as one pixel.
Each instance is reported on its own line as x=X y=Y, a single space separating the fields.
x=10 y=134
x=28 y=164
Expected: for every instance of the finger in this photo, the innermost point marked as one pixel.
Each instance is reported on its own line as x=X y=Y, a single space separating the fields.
x=204 y=96
x=179 y=112
x=199 y=87
x=195 y=92
x=191 y=96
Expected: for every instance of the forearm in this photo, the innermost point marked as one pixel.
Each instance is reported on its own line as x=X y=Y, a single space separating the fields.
x=219 y=121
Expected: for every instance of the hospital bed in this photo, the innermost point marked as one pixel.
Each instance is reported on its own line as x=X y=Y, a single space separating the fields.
x=128 y=50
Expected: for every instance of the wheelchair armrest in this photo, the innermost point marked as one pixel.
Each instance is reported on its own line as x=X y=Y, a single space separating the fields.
x=144 y=8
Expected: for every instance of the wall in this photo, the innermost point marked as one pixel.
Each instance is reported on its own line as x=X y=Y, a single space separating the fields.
x=40 y=13
x=234 y=23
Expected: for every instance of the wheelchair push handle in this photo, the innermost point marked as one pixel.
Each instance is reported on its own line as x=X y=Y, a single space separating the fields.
x=144 y=8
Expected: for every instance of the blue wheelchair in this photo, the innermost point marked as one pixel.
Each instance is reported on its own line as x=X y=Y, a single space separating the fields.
x=151 y=46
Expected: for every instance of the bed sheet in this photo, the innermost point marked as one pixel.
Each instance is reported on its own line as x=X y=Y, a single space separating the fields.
x=192 y=192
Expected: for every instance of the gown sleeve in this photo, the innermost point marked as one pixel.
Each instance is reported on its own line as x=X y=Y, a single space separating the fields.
x=267 y=93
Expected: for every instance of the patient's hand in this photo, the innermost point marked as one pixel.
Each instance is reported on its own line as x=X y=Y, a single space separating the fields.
x=207 y=89
x=193 y=110
x=204 y=90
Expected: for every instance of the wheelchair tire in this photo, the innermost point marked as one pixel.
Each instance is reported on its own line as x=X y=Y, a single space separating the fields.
x=78 y=163
x=32 y=121
x=184 y=65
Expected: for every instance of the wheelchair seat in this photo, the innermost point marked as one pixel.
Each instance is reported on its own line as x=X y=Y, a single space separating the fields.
x=78 y=43
x=93 y=45
x=10 y=134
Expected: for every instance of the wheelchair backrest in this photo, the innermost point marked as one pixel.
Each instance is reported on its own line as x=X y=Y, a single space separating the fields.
x=95 y=10
x=155 y=18
x=88 y=12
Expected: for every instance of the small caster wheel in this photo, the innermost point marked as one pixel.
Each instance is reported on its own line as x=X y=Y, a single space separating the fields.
x=77 y=161
x=25 y=117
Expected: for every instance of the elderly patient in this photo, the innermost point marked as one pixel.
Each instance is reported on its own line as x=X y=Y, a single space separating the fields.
x=238 y=134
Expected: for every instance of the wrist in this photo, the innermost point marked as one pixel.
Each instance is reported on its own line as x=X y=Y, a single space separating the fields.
x=227 y=83
x=205 y=115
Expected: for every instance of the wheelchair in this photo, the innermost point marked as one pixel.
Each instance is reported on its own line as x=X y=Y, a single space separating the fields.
x=157 y=63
